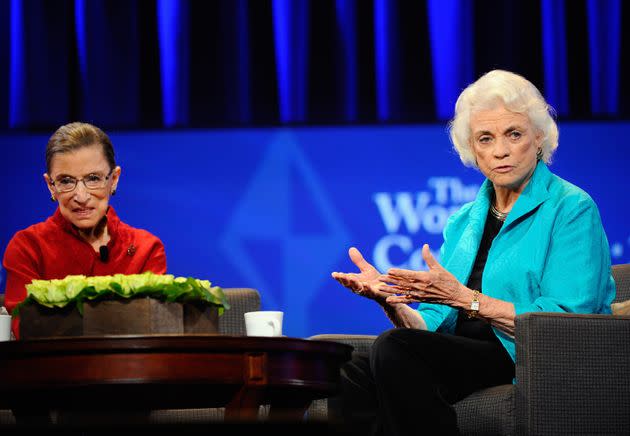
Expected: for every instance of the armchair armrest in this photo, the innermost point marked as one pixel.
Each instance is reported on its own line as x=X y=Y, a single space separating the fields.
x=361 y=343
x=572 y=374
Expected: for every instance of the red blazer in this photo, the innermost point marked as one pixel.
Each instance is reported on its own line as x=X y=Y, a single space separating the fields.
x=53 y=249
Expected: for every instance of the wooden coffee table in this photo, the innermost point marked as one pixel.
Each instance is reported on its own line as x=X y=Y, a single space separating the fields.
x=170 y=372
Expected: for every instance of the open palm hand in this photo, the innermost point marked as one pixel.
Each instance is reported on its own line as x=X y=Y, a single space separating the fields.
x=366 y=282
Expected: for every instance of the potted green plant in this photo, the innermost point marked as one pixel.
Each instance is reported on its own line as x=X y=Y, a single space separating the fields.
x=120 y=304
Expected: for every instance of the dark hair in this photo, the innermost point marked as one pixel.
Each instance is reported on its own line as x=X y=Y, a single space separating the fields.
x=73 y=136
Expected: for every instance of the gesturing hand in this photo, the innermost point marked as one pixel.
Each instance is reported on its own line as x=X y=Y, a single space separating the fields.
x=365 y=283
x=436 y=285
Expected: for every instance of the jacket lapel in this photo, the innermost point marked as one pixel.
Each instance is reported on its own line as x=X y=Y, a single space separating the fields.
x=535 y=193
x=468 y=245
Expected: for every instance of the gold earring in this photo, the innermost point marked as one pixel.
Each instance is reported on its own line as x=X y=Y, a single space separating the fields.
x=539 y=154
x=113 y=191
x=52 y=198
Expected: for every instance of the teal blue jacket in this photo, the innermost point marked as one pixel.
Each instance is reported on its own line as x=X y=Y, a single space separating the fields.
x=551 y=255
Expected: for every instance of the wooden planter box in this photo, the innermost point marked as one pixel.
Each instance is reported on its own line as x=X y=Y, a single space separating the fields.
x=138 y=316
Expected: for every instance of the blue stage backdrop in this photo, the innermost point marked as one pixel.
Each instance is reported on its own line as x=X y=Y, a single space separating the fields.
x=277 y=208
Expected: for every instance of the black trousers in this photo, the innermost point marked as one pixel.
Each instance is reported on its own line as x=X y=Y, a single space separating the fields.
x=411 y=378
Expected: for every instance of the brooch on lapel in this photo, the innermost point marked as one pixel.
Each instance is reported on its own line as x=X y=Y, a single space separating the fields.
x=131 y=250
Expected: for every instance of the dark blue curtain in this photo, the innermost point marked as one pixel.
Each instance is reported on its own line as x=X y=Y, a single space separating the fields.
x=198 y=63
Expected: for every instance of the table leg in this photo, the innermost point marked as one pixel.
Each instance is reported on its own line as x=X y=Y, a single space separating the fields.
x=244 y=406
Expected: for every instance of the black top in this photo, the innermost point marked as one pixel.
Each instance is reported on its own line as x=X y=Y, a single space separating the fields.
x=474 y=327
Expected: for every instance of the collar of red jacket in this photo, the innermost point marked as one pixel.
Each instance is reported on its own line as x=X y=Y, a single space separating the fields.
x=112 y=224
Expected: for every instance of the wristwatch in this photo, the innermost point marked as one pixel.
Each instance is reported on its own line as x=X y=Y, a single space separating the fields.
x=473 y=312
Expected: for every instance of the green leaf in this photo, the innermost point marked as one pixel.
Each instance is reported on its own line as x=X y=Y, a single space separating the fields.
x=76 y=289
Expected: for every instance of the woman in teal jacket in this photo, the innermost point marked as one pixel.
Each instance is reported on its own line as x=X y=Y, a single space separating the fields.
x=530 y=242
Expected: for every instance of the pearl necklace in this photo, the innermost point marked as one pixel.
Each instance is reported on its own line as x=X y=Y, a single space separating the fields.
x=501 y=216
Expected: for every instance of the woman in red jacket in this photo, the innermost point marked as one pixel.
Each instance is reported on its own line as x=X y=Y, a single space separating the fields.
x=84 y=235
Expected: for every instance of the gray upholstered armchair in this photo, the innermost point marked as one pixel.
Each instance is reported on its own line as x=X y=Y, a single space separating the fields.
x=572 y=376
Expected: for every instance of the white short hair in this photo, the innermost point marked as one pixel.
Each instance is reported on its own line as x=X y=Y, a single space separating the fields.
x=518 y=95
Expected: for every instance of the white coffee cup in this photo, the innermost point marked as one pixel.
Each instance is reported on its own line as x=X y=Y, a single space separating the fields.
x=5 y=327
x=264 y=323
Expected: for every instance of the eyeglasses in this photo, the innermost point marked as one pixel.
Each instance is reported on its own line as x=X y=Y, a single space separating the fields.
x=91 y=181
